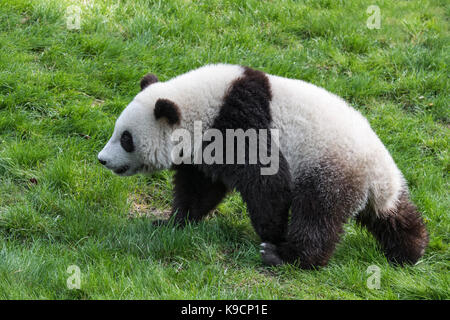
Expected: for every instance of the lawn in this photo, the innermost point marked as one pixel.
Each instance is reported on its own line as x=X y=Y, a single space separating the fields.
x=61 y=90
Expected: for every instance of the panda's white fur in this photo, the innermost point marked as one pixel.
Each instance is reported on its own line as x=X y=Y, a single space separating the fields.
x=315 y=126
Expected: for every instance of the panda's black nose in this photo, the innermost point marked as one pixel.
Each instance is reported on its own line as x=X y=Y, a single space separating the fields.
x=103 y=162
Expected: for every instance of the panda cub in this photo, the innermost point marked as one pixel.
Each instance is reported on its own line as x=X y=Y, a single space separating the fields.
x=332 y=166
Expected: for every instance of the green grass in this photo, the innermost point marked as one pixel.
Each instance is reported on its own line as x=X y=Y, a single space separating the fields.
x=61 y=91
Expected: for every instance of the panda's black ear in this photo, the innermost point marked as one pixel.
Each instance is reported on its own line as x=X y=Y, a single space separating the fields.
x=147 y=80
x=167 y=109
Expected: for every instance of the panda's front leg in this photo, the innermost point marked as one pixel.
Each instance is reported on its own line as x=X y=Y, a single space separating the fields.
x=195 y=195
x=268 y=199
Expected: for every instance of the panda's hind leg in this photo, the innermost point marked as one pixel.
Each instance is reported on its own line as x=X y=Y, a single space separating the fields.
x=400 y=232
x=324 y=197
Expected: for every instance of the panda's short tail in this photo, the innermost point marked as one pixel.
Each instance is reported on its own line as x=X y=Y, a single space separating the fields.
x=401 y=232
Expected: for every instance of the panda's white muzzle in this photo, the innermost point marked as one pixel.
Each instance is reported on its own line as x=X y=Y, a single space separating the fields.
x=115 y=159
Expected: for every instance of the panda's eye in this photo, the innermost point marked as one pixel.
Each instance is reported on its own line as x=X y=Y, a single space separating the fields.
x=126 y=141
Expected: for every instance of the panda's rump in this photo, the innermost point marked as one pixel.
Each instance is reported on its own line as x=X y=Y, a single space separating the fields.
x=318 y=129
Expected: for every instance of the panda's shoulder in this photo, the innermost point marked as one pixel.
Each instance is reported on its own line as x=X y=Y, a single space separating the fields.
x=209 y=73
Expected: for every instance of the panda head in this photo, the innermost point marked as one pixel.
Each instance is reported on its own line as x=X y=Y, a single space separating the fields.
x=141 y=140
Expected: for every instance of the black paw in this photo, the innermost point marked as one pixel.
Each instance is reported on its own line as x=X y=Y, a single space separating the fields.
x=269 y=254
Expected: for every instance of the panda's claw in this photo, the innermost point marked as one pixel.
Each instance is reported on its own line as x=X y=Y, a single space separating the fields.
x=269 y=254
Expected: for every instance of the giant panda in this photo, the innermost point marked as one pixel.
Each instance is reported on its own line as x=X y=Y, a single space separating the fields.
x=332 y=166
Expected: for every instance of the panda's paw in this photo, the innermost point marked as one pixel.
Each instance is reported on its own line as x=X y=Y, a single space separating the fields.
x=269 y=254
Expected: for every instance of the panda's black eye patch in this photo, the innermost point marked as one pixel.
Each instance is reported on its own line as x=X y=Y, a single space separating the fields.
x=126 y=141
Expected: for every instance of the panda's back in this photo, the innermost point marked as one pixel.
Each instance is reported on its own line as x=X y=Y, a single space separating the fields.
x=315 y=124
